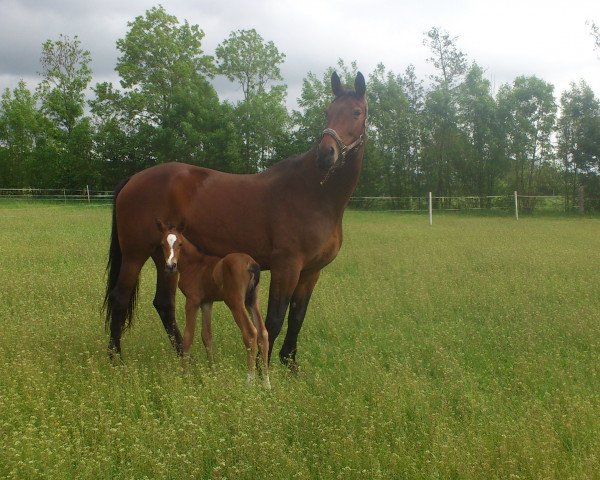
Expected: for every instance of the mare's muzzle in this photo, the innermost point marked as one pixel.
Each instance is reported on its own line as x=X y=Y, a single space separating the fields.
x=326 y=157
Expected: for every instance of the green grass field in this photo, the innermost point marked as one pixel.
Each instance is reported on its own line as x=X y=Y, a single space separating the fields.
x=470 y=349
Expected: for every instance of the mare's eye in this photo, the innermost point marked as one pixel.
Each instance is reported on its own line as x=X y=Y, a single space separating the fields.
x=356 y=113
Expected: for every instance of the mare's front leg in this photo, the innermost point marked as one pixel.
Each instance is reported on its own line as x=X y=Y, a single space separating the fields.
x=164 y=300
x=284 y=278
x=298 y=307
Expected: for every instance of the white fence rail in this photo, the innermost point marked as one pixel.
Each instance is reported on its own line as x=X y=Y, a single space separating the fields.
x=512 y=204
x=65 y=195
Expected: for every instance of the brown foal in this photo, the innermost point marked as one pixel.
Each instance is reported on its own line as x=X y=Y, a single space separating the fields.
x=204 y=279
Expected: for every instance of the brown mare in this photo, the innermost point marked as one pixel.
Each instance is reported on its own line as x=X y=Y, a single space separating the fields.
x=204 y=279
x=288 y=218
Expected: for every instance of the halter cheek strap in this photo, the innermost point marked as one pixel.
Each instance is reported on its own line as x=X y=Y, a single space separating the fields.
x=344 y=149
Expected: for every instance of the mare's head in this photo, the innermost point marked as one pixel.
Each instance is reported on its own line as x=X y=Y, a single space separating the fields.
x=171 y=241
x=346 y=126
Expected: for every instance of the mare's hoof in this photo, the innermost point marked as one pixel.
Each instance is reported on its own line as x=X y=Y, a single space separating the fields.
x=290 y=363
x=115 y=357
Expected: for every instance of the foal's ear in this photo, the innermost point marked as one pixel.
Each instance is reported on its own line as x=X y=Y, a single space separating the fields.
x=359 y=85
x=162 y=228
x=336 y=85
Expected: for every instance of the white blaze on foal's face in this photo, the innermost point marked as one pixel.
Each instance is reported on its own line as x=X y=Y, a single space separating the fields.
x=171 y=239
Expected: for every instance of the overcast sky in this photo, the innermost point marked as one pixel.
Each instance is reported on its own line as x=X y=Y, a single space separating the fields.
x=548 y=38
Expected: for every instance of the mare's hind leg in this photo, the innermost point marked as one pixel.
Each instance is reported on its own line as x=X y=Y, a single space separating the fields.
x=122 y=301
x=164 y=300
x=298 y=307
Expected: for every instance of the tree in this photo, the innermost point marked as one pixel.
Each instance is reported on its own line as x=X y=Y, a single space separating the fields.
x=391 y=122
x=595 y=32
x=578 y=134
x=528 y=112
x=443 y=143
x=308 y=122
x=22 y=128
x=478 y=121
x=66 y=76
x=244 y=57
x=167 y=110
x=450 y=62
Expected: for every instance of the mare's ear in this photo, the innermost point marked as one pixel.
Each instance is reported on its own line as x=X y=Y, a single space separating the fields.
x=359 y=85
x=162 y=228
x=336 y=85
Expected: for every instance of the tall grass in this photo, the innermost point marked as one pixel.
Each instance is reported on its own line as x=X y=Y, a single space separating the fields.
x=470 y=349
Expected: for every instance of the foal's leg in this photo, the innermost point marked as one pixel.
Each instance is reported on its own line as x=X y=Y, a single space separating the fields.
x=298 y=307
x=191 y=310
x=164 y=300
x=263 y=341
x=249 y=334
x=121 y=301
x=207 y=331
x=284 y=279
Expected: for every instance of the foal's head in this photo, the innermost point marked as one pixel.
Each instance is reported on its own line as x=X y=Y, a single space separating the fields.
x=346 y=126
x=171 y=242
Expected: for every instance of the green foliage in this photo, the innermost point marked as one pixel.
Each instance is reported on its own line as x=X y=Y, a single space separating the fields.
x=528 y=113
x=66 y=75
x=245 y=58
x=484 y=162
x=464 y=350
x=168 y=102
x=451 y=135
x=22 y=129
x=450 y=62
x=261 y=117
x=595 y=32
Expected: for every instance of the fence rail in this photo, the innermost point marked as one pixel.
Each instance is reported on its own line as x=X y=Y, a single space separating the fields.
x=64 y=195
x=511 y=204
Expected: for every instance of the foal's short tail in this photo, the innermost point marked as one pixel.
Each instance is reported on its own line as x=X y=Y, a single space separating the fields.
x=252 y=291
x=113 y=267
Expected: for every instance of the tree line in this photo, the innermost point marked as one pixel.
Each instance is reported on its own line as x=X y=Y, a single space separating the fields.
x=450 y=133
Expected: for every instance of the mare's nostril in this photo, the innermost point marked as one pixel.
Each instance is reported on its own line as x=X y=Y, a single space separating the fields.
x=331 y=151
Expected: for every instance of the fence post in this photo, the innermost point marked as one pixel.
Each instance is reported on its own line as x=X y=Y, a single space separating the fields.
x=430 y=210
x=516 y=205
x=87 y=190
x=581 y=201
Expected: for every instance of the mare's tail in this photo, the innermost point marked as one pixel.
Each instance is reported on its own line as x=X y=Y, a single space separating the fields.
x=252 y=291
x=113 y=267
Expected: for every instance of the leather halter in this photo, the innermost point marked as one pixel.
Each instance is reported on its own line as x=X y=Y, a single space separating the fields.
x=344 y=149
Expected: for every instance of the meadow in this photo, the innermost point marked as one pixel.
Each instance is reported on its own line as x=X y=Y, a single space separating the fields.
x=465 y=350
